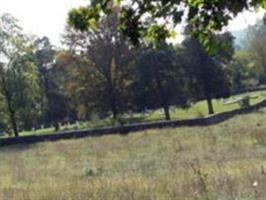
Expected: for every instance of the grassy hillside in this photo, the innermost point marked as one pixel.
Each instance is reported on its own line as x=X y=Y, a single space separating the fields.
x=221 y=162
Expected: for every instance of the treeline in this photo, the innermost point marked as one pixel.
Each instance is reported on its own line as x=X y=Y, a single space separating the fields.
x=100 y=72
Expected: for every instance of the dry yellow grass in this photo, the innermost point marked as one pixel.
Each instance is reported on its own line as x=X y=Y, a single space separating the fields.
x=221 y=162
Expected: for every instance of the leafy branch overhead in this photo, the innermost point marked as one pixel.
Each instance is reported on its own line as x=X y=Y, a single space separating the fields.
x=156 y=19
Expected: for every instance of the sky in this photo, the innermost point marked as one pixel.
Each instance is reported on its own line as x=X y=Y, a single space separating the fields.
x=48 y=17
x=41 y=17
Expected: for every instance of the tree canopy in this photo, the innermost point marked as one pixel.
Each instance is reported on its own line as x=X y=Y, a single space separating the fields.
x=157 y=18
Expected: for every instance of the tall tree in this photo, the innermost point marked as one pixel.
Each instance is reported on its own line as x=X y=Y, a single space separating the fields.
x=45 y=57
x=54 y=103
x=108 y=56
x=208 y=74
x=83 y=84
x=20 y=90
x=160 y=79
x=18 y=76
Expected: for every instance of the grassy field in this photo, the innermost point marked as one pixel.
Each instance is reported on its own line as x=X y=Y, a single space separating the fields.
x=198 y=109
x=221 y=162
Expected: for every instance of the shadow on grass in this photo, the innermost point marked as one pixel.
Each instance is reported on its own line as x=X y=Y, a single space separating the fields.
x=17 y=147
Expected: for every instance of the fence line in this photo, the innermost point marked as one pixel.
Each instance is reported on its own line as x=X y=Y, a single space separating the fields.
x=204 y=121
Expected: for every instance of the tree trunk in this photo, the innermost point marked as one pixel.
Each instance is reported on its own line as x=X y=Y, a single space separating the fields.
x=210 y=106
x=14 y=123
x=42 y=109
x=114 y=111
x=163 y=99
x=166 y=112
x=113 y=98
x=11 y=113
x=56 y=126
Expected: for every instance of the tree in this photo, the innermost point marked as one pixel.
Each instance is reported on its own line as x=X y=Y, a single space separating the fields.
x=256 y=39
x=206 y=17
x=18 y=75
x=243 y=71
x=160 y=79
x=106 y=56
x=83 y=84
x=45 y=57
x=58 y=104
x=208 y=75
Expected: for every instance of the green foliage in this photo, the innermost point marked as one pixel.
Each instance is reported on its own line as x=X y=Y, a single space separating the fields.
x=205 y=17
x=20 y=89
x=19 y=76
x=82 y=18
x=256 y=38
x=243 y=71
x=157 y=34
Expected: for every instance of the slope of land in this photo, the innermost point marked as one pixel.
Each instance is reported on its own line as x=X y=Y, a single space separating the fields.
x=221 y=162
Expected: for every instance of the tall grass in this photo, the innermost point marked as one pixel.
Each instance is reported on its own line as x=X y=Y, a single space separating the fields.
x=221 y=162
